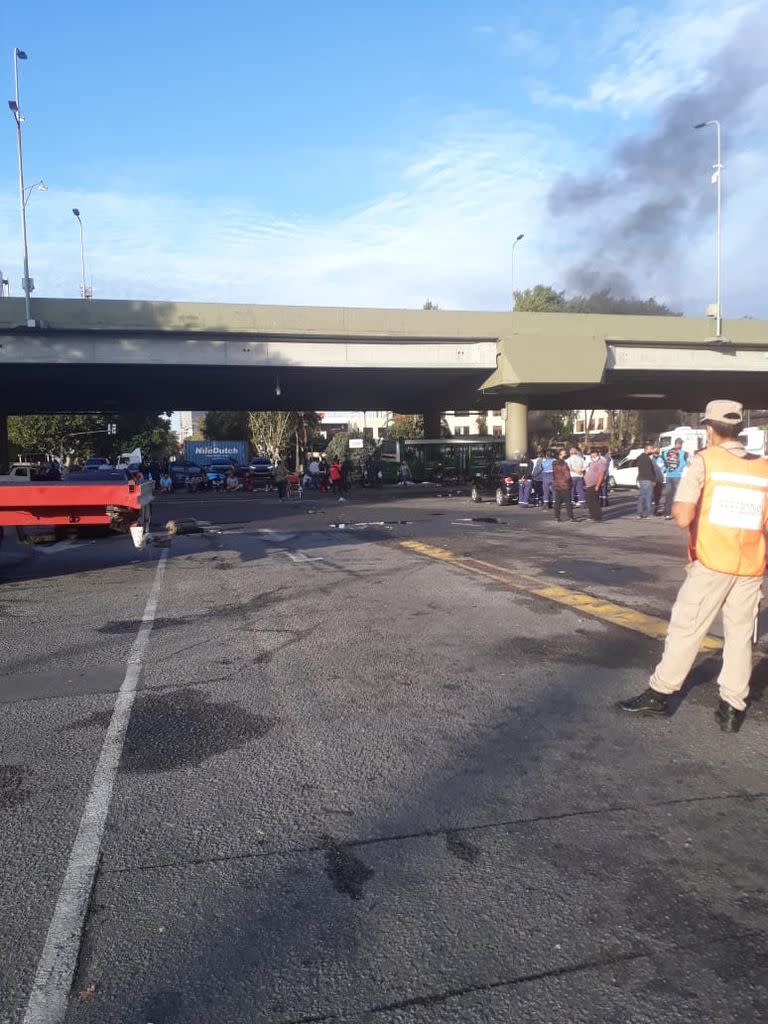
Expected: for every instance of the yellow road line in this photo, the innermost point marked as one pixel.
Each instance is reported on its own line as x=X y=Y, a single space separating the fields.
x=608 y=611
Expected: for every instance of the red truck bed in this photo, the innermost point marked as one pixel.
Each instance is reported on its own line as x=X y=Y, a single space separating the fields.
x=74 y=503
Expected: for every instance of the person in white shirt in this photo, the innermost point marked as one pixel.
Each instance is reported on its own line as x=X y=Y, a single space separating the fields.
x=577 y=464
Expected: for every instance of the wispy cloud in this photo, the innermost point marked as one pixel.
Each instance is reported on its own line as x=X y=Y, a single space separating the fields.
x=652 y=58
x=522 y=42
x=440 y=232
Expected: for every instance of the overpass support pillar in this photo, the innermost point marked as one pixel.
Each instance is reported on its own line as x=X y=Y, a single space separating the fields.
x=516 y=431
x=432 y=421
x=4 y=459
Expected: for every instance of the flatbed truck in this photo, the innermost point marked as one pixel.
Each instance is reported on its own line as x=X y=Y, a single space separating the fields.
x=112 y=499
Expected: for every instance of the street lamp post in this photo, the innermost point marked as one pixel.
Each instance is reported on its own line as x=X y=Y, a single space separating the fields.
x=26 y=283
x=85 y=293
x=717 y=179
x=29 y=189
x=512 y=268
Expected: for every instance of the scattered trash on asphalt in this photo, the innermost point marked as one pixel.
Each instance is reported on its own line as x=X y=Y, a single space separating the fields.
x=481 y=519
x=388 y=523
x=86 y=993
x=138 y=536
x=176 y=527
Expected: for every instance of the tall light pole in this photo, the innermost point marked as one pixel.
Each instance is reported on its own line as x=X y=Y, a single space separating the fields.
x=26 y=283
x=717 y=179
x=512 y=268
x=85 y=293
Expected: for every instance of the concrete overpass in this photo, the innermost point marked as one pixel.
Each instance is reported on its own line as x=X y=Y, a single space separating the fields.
x=112 y=355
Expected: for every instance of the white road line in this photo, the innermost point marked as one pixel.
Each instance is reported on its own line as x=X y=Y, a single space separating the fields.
x=273 y=535
x=56 y=969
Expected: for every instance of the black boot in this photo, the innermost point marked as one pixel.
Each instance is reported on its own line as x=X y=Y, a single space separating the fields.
x=728 y=718
x=649 y=702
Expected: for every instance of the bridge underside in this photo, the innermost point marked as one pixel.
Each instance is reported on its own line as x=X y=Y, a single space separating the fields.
x=689 y=390
x=39 y=388
x=28 y=388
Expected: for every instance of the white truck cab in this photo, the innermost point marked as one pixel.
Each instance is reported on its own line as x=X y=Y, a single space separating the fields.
x=129 y=459
x=20 y=471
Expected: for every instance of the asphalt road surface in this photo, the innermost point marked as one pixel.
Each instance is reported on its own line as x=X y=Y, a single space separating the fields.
x=361 y=763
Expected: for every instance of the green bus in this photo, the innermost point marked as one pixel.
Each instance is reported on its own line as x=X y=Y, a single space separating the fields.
x=443 y=460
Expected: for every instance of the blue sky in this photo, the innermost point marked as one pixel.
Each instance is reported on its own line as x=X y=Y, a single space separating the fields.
x=374 y=154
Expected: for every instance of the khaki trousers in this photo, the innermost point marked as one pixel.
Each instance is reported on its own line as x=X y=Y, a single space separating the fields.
x=700 y=598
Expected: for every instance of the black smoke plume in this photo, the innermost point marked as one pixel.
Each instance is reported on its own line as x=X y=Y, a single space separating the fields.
x=639 y=213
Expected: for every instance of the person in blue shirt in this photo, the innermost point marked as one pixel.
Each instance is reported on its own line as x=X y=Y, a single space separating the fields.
x=675 y=460
x=547 y=488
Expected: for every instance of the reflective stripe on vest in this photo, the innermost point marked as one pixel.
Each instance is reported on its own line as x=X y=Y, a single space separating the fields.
x=727 y=535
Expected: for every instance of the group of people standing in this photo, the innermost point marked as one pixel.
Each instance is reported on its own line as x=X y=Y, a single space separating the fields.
x=659 y=473
x=335 y=476
x=559 y=480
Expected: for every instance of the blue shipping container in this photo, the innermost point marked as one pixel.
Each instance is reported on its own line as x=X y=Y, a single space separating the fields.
x=206 y=452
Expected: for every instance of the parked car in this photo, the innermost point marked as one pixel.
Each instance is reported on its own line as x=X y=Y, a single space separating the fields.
x=624 y=472
x=501 y=480
x=262 y=471
x=181 y=469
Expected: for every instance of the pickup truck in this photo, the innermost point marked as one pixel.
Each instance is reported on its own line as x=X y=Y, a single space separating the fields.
x=111 y=498
x=32 y=471
x=20 y=471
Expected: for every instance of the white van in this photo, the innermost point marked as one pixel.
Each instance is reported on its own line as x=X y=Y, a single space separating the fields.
x=693 y=438
x=129 y=459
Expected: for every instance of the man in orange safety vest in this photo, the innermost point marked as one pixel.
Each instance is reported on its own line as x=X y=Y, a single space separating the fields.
x=722 y=499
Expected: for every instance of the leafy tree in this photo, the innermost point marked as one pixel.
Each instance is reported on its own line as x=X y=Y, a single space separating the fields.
x=226 y=426
x=270 y=432
x=338 y=447
x=604 y=302
x=149 y=431
x=429 y=304
x=540 y=299
x=544 y=298
x=623 y=428
x=305 y=426
x=48 y=436
x=405 y=425
x=550 y=425
x=273 y=432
